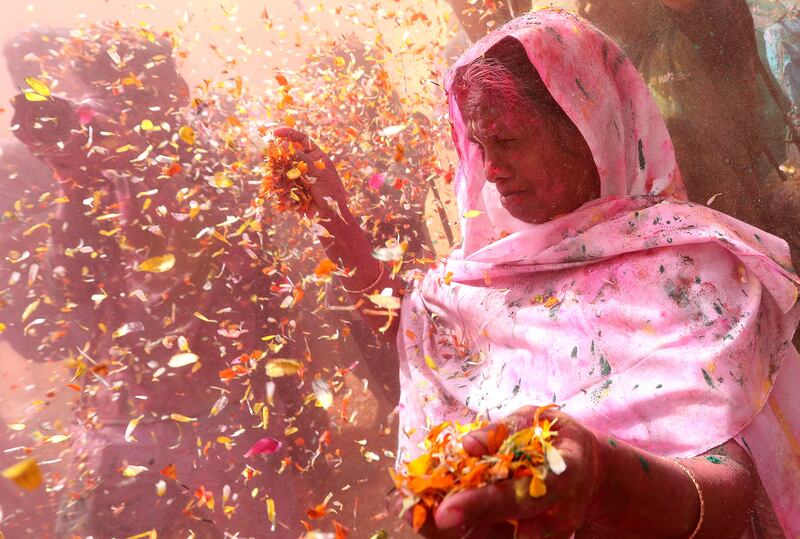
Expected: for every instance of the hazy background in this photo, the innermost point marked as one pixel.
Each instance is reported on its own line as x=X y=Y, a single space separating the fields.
x=219 y=39
x=253 y=39
x=215 y=33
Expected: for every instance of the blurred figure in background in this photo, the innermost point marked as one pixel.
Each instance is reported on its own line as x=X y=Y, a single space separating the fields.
x=169 y=292
x=725 y=114
x=148 y=271
x=27 y=187
x=782 y=40
x=783 y=52
x=701 y=63
x=27 y=192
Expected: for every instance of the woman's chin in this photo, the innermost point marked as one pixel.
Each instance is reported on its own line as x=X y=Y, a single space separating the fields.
x=522 y=208
x=532 y=217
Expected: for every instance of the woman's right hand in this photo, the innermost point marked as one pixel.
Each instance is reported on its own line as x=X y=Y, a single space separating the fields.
x=328 y=196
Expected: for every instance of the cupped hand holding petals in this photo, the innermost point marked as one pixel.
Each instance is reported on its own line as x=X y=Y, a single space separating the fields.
x=496 y=509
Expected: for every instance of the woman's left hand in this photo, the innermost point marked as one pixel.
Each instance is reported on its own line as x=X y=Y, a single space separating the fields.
x=557 y=514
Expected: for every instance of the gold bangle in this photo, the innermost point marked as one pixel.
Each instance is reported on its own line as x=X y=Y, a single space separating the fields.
x=699 y=495
x=370 y=286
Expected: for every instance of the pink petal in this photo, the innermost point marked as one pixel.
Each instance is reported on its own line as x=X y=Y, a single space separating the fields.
x=86 y=114
x=376 y=180
x=265 y=446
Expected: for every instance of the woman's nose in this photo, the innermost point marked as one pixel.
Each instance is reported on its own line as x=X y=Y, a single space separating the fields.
x=493 y=170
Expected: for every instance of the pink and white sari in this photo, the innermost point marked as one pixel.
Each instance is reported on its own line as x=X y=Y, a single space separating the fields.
x=651 y=319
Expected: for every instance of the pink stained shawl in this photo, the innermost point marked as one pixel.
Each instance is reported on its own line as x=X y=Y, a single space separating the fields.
x=648 y=318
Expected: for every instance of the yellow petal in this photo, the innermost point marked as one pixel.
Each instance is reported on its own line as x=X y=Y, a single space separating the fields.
x=203 y=317
x=419 y=465
x=537 y=488
x=131 y=470
x=431 y=363
x=152 y=534
x=271 y=511
x=125 y=329
x=32 y=96
x=158 y=264
x=180 y=418
x=448 y=278
x=36 y=227
x=38 y=86
x=222 y=181
x=30 y=309
x=25 y=473
x=132 y=424
x=264 y=417
x=283 y=367
x=187 y=134
x=322 y=393
x=552 y=301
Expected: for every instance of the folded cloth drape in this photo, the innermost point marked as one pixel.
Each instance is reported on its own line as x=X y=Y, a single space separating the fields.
x=649 y=318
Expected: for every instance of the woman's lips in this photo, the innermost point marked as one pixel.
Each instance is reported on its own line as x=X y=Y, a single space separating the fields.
x=506 y=188
x=510 y=195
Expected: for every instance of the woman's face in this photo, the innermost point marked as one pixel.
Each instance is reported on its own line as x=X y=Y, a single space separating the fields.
x=540 y=171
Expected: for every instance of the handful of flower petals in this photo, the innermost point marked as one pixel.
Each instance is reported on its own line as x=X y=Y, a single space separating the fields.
x=446 y=468
x=286 y=179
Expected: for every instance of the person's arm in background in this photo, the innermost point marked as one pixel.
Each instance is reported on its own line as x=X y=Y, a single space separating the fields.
x=721 y=26
x=723 y=33
x=346 y=244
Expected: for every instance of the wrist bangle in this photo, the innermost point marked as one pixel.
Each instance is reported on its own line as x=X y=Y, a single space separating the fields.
x=370 y=286
x=699 y=495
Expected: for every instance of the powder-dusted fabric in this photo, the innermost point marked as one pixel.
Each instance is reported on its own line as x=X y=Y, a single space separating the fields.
x=648 y=318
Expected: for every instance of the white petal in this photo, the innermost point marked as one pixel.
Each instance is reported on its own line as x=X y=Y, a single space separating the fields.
x=554 y=460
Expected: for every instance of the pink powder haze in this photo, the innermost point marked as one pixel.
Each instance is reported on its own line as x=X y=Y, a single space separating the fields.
x=177 y=358
x=151 y=402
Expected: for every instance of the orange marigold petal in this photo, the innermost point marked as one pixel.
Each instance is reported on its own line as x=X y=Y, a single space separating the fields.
x=419 y=516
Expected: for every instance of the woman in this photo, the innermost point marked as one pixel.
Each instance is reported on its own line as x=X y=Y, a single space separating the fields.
x=662 y=328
